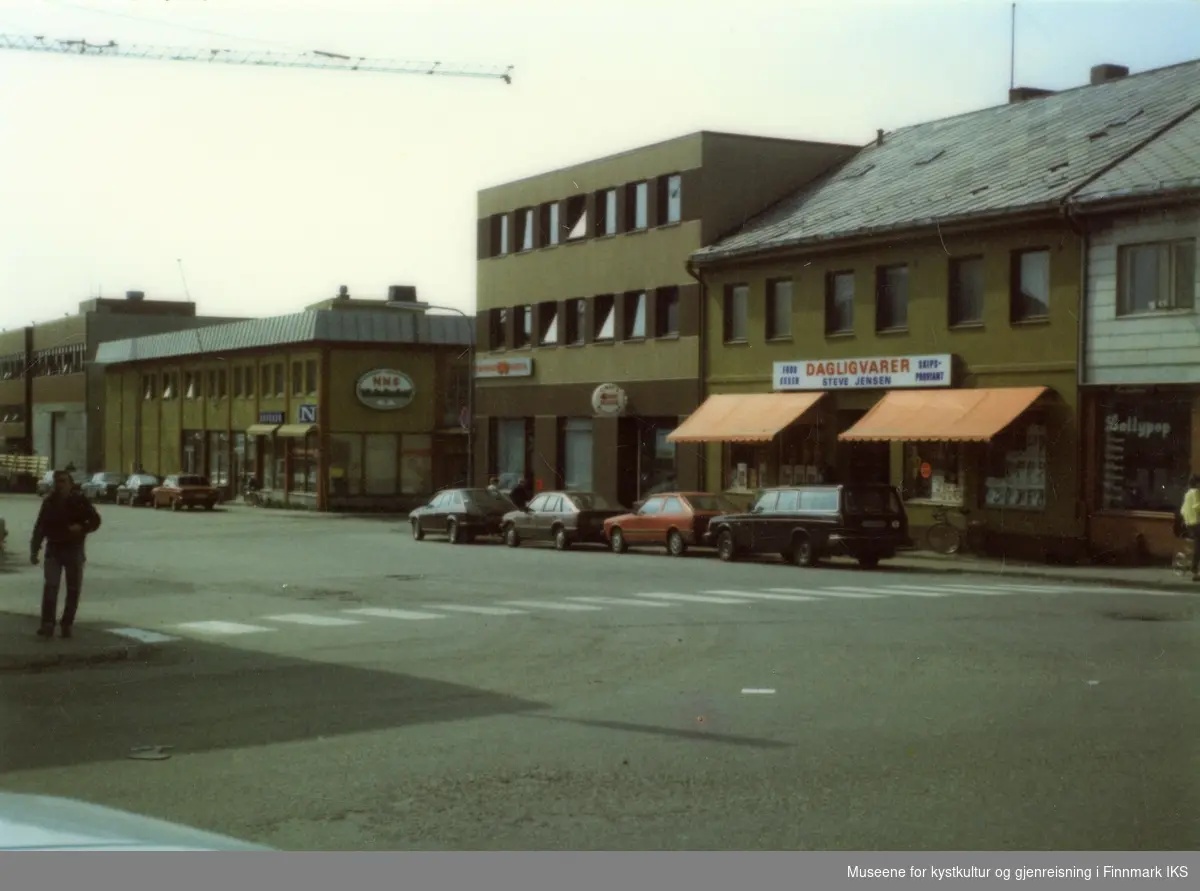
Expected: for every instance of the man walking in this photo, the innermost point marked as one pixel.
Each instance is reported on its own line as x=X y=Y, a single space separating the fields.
x=64 y=523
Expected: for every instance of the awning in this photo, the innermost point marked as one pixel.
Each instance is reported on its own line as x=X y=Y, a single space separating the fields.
x=752 y=417
x=942 y=415
x=261 y=429
x=296 y=431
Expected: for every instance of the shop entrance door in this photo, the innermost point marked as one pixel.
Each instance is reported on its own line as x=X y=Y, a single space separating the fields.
x=862 y=462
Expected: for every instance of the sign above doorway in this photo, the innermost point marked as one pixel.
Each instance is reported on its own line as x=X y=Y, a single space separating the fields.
x=270 y=417
x=385 y=389
x=307 y=414
x=515 y=366
x=874 y=373
x=609 y=400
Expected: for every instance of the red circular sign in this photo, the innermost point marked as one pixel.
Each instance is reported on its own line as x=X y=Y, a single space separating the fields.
x=926 y=471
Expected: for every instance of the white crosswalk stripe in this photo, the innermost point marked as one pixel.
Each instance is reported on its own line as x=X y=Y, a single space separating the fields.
x=406 y=614
x=227 y=628
x=142 y=635
x=694 y=598
x=759 y=595
x=316 y=621
x=899 y=590
x=827 y=592
x=476 y=610
x=623 y=601
x=551 y=605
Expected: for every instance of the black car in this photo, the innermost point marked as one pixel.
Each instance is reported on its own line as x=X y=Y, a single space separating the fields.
x=102 y=486
x=78 y=477
x=805 y=523
x=136 y=490
x=461 y=515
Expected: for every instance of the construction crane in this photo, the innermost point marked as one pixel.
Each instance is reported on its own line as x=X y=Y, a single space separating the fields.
x=314 y=59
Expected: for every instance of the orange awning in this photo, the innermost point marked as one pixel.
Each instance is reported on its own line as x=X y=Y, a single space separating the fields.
x=753 y=417
x=942 y=415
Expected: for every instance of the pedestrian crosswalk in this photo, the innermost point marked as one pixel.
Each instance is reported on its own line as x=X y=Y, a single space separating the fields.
x=438 y=614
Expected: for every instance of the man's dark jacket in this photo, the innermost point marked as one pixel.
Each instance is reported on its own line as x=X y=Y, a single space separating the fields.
x=58 y=514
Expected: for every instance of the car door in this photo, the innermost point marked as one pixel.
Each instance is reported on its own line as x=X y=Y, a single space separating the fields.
x=642 y=524
x=526 y=520
x=779 y=521
x=674 y=515
x=760 y=521
x=551 y=509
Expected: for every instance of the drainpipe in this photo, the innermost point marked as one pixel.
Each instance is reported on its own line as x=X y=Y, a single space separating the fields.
x=1080 y=229
x=695 y=273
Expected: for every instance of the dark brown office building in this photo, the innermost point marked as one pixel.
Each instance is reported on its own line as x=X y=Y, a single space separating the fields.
x=588 y=338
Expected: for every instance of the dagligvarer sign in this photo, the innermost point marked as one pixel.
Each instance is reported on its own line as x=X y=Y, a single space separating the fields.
x=878 y=373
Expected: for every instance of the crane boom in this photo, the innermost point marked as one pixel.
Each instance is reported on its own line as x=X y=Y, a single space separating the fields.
x=315 y=59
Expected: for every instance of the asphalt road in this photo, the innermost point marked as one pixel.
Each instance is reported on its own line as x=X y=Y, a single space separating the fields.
x=530 y=699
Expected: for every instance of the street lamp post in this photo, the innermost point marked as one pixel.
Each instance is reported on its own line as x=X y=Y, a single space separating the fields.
x=418 y=306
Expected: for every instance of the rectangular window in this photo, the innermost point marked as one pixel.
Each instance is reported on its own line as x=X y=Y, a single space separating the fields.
x=1146 y=443
x=510 y=451
x=635 y=316
x=525 y=229
x=576 y=222
x=265 y=390
x=380 y=463
x=310 y=377
x=297 y=378
x=191 y=387
x=607 y=206
x=550 y=224
x=966 y=291
x=637 y=206
x=1156 y=277
x=1030 y=285
x=548 y=324
x=503 y=246
x=666 y=312
x=280 y=389
x=577 y=454
x=576 y=320
x=149 y=382
x=304 y=464
x=416 y=464
x=238 y=388
x=891 y=298
x=249 y=381
x=604 y=309
x=498 y=328
x=839 y=303
x=670 y=204
x=212 y=385
x=523 y=336
x=170 y=385
x=933 y=472
x=779 y=308
x=1016 y=468
x=736 y=321
x=345 y=464
x=222 y=383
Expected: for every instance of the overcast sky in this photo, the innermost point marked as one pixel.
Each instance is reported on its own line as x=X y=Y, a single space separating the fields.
x=275 y=186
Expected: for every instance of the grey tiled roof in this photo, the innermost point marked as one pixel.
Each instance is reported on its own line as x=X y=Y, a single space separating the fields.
x=330 y=326
x=1168 y=163
x=999 y=160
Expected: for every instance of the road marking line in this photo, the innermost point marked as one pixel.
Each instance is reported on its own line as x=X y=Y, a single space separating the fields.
x=1033 y=589
x=621 y=601
x=546 y=604
x=320 y=621
x=824 y=592
x=900 y=590
x=479 y=610
x=394 y=614
x=141 y=634
x=966 y=589
x=755 y=595
x=1105 y=589
x=765 y=691
x=694 y=598
x=223 y=627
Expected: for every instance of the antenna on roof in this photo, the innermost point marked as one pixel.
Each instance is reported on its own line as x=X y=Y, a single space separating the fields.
x=1012 y=48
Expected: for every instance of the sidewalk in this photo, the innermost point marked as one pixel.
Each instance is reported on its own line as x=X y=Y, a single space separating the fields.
x=22 y=650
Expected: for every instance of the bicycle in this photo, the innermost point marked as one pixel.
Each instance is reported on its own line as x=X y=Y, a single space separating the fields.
x=945 y=537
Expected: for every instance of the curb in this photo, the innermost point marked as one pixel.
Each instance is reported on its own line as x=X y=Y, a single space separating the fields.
x=122 y=653
x=1182 y=587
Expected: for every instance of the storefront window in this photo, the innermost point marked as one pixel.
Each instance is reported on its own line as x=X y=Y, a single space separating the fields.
x=304 y=464
x=416 y=464
x=933 y=472
x=1016 y=474
x=656 y=461
x=217 y=458
x=381 y=452
x=345 y=463
x=1145 y=452
x=510 y=451
x=272 y=464
x=193 y=451
x=577 y=454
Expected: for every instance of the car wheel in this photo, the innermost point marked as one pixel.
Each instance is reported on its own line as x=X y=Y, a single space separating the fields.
x=418 y=533
x=802 y=551
x=868 y=562
x=512 y=538
x=561 y=542
x=209 y=505
x=176 y=504
x=617 y=540
x=726 y=549
x=676 y=546
x=452 y=532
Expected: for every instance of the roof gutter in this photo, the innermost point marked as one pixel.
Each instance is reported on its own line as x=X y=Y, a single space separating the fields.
x=1133 y=202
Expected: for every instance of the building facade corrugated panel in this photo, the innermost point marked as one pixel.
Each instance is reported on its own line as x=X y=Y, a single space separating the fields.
x=1004 y=159
x=1170 y=162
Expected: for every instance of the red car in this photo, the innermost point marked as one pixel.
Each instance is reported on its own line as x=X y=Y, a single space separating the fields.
x=675 y=520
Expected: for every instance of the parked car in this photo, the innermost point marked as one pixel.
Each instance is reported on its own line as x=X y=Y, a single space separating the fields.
x=102 y=486
x=565 y=518
x=182 y=490
x=675 y=520
x=805 y=523
x=138 y=489
x=462 y=515
x=46 y=483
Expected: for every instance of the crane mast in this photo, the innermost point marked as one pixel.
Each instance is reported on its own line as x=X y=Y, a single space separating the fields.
x=316 y=59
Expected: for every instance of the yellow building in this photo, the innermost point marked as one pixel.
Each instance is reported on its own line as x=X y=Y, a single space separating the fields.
x=347 y=405
x=914 y=317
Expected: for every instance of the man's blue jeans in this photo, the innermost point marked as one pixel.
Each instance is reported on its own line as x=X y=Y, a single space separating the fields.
x=58 y=562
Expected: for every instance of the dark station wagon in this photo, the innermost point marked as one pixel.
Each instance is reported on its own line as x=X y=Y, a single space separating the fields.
x=461 y=515
x=803 y=524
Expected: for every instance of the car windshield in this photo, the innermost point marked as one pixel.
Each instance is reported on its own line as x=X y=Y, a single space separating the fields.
x=589 y=501
x=110 y=478
x=873 y=500
x=712 y=502
x=193 y=481
x=145 y=481
x=486 y=499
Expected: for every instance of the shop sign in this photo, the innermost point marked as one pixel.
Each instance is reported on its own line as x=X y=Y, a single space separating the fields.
x=307 y=414
x=517 y=366
x=878 y=373
x=385 y=389
x=1135 y=426
x=609 y=399
x=270 y=417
